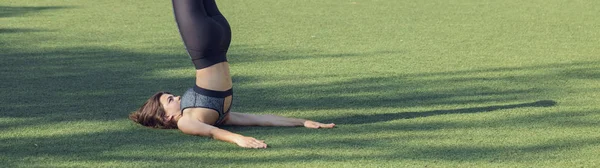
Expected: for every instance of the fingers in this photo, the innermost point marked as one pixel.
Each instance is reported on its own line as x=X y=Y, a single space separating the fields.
x=250 y=142
x=330 y=125
x=258 y=144
x=321 y=125
x=317 y=125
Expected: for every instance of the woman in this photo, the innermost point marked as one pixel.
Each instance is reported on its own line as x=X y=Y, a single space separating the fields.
x=206 y=35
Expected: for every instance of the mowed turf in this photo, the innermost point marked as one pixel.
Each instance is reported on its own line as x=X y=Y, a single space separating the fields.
x=409 y=83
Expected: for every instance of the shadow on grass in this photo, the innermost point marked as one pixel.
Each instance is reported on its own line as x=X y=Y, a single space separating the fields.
x=83 y=84
x=251 y=54
x=366 y=119
x=100 y=84
x=17 y=11
x=87 y=146
x=432 y=153
x=149 y=146
x=6 y=30
x=376 y=92
x=104 y=84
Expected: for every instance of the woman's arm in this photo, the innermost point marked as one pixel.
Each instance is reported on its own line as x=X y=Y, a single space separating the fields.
x=243 y=119
x=196 y=127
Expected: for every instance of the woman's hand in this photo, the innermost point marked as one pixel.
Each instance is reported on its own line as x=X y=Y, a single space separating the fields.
x=249 y=142
x=317 y=125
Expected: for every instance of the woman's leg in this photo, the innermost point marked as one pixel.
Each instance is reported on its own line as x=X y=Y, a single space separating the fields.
x=213 y=12
x=205 y=39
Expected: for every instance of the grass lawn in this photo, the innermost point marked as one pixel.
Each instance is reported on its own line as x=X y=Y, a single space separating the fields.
x=409 y=83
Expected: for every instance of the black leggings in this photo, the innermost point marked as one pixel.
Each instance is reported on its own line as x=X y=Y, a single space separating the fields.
x=205 y=32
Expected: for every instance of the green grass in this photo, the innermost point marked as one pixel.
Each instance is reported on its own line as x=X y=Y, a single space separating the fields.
x=409 y=83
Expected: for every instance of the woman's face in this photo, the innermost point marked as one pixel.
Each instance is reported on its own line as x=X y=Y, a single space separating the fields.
x=171 y=104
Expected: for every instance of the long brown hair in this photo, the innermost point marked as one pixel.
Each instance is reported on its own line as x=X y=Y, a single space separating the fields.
x=152 y=114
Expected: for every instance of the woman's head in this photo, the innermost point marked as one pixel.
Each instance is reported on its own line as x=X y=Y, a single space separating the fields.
x=159 y=111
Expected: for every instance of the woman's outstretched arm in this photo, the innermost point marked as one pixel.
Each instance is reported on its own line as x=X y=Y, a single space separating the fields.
x=196 y=127
x=243 y=119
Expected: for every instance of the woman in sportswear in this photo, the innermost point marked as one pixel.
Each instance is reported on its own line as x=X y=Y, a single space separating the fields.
x=202 y=108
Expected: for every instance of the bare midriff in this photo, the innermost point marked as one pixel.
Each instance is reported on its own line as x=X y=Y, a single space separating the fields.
x=215 y=77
